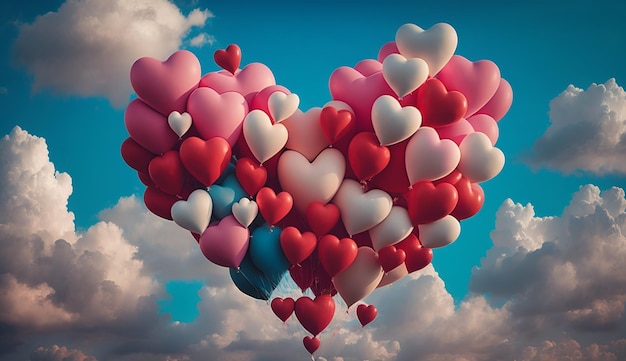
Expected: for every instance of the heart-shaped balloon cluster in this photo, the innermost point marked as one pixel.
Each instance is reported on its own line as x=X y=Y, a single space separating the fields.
x=344 y=198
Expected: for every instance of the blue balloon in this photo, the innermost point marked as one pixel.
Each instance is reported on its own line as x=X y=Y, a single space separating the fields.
x=224 y=195
x=251 y=281
x=266 y=252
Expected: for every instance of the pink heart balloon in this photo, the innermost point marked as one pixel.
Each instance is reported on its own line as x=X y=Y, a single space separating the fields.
x=368 y=67
x=248 y=81
x=478 y=81
x=387 y=49
x=148 y=127
x=205 y=104
x=455 y=131
x=359 y=91
x=225 y=243
x=500 y=103
x=485 y=124
x=165 y=86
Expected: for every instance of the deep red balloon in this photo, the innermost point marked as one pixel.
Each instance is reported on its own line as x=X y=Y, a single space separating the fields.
x=393 y=178
x=168 y=173
x=251 y=175
x=366 y=313
x=297 y=246
x=228 y=59
x=159 y=203
x=417 y=256
x=136 y=156
x=145 y=179
x=315 y=315
x=471 y=199
x=273 y=207
x=391 y=257
x=311 y=343
x=336 y=254
x=205 y=159
x=283 y=307
x=367 y=156
x=438 y=106
x=336 y=124
x=303 y=274
x=322 y=217
x=428 y=202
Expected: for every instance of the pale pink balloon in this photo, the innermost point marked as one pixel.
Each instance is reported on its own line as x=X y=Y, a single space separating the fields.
x=455 y=131
x=361 y=210
x=368 y=67
x=439 y=233
x=305 y=133
x=485 y=124
x=430 y=158
x=149 y=128
x=217 y=115
x=360 y=278
x=359 y=92
x=393 y=275
x=248 y=81
x=500 y=103
x=165 y=86
x=225 y=243
x=387 y=49
x=478 y=81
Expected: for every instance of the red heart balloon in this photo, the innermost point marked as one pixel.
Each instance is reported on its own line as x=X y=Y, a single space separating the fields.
x=438 y=106
x=251 y=175
x=297 y=246
x=315 y=315
x=205 y=159
x=393 y=178
x=145 y=179
x=366 y=314
x=322 y=217
x=228 y=59
x=168 y=172
x=417 y=256
x=283 y=307
x=336 y=124
x=367 y=156
x=136 y=156
x=303 y=274
x=159 y=203
x=428 y=202
x=273 y=207
x=471 y=199
x=311 y=343
x=391 y=257
x=336 y=255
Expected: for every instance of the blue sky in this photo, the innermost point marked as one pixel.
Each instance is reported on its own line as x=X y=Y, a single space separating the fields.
x=541 y=49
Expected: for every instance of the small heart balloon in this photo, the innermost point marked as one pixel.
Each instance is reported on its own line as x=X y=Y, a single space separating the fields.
x=283 y=307
x=322 y=217
x=205 y=159
x=404 y=75
x=435 y=45
x=281 y=106
x=336 y=254
x=264 y=138
x=245 y=211
x=229 y=59
x=273 y=207
x=311 y=343
x=315 y=314
x=193 y=214
x=180 y=123
x=366 y=314
x=297 y=246
x=392 y=122
x=225 y=243
x=251 y=175
x=335 y=123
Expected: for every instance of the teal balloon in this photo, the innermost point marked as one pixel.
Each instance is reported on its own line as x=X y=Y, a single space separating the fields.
x=224 y=195
x=266 y=252
x=251 y=281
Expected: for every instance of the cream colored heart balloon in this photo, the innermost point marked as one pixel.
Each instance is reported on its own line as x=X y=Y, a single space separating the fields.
x=361 y=210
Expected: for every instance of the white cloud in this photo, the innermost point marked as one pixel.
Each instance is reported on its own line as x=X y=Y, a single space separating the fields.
x=202 y=39
x=556 y=287
x=87 y=47
x=587 y=131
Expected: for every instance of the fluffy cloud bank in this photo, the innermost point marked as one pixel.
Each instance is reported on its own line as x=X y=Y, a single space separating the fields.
x=587 y=131
x=551 y=288
x=86 y=47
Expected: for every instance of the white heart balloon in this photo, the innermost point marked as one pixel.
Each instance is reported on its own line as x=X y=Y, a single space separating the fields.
x=393 y=229
x=480 y=160
x=404 y=75
x=361 y=211
x=435 y=45
x=439 y=233
x=393 y=275
x=311 y=181
x=392 y=122
x=281 y=106
x=194 y=214
x=360 y=278
x=179 y=123
x=263 y=138
x=245 y=211
x=428 y=157
x=305 y=133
